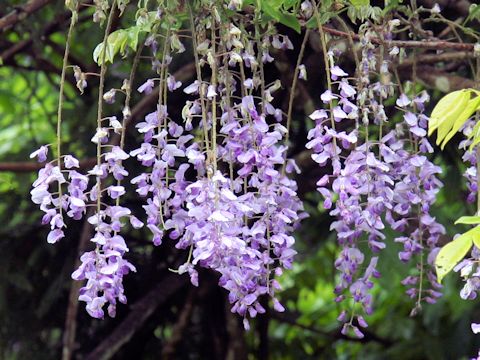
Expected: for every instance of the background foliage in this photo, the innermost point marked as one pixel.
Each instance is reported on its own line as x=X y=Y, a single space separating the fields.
x=195 y=323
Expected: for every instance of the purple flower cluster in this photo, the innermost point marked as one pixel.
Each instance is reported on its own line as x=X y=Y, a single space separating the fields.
x=218 y=184
x=415 y=192
x=375 y=183
x=268 y=208
x=361 y=184
x=237 y=224
x=55 y=204
x=470 y=158
x=469 y=270
x=104 y=267
x=162 y=145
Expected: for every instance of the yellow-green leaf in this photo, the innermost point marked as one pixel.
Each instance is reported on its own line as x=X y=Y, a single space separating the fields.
x=99 y=54
x=117 y=42
x=447 y=119
x=468 y=220
x=447 y=110
x=451 y=254
x=471 y=107
x=359 y=3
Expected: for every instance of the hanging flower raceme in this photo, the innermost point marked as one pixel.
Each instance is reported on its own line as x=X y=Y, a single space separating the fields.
x=238 y=225
x=360 y=182
x=373 y=183
x=104 y=267
x=55 y=204
x=415 y=192
x=164 y=143
x=469 y=157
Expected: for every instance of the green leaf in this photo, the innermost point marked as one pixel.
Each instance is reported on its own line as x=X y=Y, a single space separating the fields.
x=145 y=20
x=451 y=254
x=291 y=21
x=362 y=12
x=446 y=112
x=117 y=42
x=468 y=220
x=467 y=112
x=282 y=17
x=107 y=55
x=473 y=12
x=132 y=36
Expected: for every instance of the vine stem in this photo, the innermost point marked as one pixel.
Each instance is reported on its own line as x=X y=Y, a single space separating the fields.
x=418 y=305
x=258 y=39
x=293 y=88
x=200 y=85
x=70 y=321
x=162 y=99
x=126 y=111
x=214 y=100
x=103 y=70
x=325 y=60
x=73 y=20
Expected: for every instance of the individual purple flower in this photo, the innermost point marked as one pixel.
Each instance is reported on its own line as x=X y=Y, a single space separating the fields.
x=146 y=87
x=71 y=162
x=40 y=154
x=336 y=72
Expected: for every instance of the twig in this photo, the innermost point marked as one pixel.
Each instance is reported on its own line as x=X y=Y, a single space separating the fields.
x=21 y=13
x=7 y=55
x=441 y=80
x=436 y=58
x=294 y=83
x=432 y=45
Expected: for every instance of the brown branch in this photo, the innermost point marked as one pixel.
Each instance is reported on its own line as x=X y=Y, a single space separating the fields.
x=141 y=311
x=49 y=29
x=21 y=13
x=432 y=45
x=436 y=58
x=461 y=6
x=437 y=79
